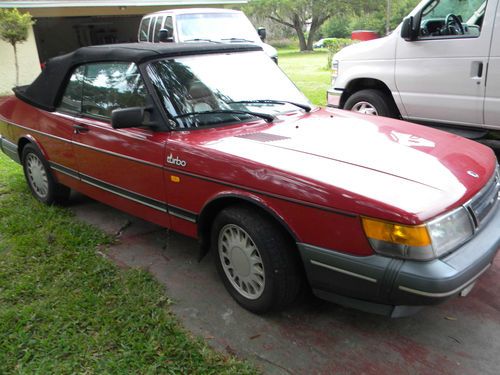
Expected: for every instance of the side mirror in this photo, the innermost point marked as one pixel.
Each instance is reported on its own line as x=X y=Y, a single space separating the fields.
x=133 y=117
x=165 y=36
x=262 y=33
x=409 y=29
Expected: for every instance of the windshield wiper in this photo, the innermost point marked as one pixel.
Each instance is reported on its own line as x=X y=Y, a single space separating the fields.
x=202 y=40
x=239 y=40
x=305 y=107
x=265 y=116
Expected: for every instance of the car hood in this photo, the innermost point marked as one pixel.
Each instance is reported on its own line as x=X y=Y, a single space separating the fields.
x=358 y=163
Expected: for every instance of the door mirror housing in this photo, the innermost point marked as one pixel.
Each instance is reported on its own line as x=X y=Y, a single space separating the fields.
x=262 y=33
x=165 y=36
x=133 y=117
x=409 y=29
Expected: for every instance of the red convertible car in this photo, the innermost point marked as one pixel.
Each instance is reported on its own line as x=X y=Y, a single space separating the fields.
x=214 y=141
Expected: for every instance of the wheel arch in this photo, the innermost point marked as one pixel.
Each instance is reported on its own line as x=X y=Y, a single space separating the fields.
x=359 y=84
x=217 y=204
x=27 y=139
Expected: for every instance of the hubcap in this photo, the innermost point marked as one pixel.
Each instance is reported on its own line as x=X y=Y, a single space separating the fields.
x=365 y=108
x=37 y=176
x=241 y=261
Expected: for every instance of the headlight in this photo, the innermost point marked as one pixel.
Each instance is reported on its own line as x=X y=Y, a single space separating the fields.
x=419 y=242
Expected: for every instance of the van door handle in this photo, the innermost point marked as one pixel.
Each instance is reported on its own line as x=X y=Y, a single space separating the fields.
x=78 y=129
x=477 y=71
x=480 y=70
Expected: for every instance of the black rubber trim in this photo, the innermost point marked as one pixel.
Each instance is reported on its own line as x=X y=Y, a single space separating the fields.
x=10 y=149
x=150 y=202
x=62 y=169
x=138 y=198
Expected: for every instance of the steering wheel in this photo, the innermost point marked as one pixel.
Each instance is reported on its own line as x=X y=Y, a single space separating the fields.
x=453 y=25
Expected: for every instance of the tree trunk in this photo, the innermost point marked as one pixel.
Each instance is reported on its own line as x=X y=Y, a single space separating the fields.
x=16 y=63
x=298 y=26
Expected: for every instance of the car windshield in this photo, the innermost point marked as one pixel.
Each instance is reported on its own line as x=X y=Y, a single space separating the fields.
x=215 y=89
x=215 y=26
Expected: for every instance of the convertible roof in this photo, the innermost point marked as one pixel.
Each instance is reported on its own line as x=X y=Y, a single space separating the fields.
x=46 y=90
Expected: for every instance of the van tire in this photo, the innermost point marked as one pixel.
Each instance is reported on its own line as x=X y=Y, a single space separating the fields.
x=371 y=102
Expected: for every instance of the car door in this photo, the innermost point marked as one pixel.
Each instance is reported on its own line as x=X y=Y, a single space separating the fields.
x=492 y=98
x=441 y=75
x=122 y=167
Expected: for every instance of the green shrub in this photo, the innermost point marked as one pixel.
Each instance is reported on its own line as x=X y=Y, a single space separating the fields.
x=334 y=45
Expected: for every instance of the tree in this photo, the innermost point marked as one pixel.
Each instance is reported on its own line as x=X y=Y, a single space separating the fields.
x=296 y=13
x=14 y=27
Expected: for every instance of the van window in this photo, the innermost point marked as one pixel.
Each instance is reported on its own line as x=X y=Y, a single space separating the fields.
x=143 y=30
x=151 y=29
x=156 y=32
x=452 y=19
x=169 y=25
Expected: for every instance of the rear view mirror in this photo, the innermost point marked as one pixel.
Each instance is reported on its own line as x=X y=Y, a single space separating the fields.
x=262 y=33
x=409 y=29
x=165 y=36
x=133 y=117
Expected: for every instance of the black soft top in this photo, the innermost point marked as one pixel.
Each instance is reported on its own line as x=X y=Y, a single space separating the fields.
x=46 y=90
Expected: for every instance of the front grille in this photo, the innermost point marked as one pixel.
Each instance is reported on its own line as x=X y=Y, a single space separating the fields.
x=482 y=204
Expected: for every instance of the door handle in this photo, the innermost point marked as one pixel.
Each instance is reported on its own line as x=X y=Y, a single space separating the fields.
x=78 y=129
x=477 y=69
x=480 y=69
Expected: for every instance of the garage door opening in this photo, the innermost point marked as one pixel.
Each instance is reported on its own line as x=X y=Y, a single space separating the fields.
x=57 y=36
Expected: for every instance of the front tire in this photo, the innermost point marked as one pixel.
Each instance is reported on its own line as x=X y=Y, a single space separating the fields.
x=257 y=262
x=42 y=184
x=371 y=102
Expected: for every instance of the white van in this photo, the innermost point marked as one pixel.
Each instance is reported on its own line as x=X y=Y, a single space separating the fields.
x=441 y=66
x=202 y=25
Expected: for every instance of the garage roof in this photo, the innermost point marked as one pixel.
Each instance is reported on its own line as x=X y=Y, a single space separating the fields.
x=112 y=3
x=46 y=90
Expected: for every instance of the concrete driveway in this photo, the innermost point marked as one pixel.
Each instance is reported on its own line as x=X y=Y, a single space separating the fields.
x=316 y=337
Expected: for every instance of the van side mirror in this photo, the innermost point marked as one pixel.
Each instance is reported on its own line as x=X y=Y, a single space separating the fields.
x=165 y=36
x=132 y=117
x=262 y=33
x=409 y=31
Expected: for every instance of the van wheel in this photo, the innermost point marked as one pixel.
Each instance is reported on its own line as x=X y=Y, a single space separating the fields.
x=40 y=180
x=257 y=262
x=371 y=102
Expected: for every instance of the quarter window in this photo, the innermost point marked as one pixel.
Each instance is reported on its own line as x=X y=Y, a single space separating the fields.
x=72 y=97
x=109 y=86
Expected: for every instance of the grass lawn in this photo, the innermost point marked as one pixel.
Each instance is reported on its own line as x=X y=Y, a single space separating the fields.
x=66 y=309
x=308 y=71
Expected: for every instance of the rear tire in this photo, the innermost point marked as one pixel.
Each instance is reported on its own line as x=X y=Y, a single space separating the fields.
x=371 y=102
x=40 y=180
x=256 y=260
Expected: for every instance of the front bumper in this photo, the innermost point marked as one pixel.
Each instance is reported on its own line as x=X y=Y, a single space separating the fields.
x=333 y=97
x=397 y=287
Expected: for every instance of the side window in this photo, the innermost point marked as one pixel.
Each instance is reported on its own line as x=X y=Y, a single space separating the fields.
x=109 y=86
x=143 y=30
x=169 y=25
x=156 y=32
x=151 y=29
x=452 y=19
x=72 y=97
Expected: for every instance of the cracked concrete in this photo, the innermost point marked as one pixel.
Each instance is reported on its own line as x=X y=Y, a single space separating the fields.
x=314 y=337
